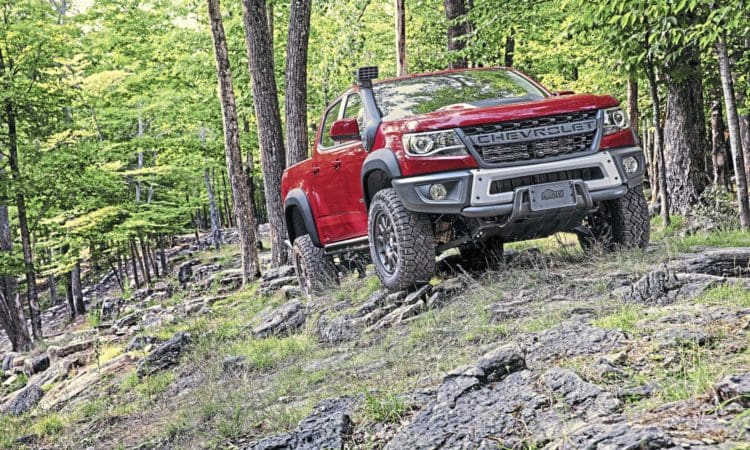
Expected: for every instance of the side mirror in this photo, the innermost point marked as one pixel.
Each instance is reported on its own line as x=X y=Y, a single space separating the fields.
x=562 y=93
x=345 y=130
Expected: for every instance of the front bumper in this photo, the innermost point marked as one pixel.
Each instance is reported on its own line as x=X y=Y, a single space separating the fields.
x=470 y=193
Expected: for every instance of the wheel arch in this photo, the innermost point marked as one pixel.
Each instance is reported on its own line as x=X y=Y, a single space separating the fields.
x=299 y=217
x=379 y=168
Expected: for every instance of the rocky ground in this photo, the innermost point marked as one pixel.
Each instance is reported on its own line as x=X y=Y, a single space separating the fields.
x=553 y=349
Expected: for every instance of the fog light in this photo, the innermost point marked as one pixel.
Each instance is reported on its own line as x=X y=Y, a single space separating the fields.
x=630 y=164
x=438 y=192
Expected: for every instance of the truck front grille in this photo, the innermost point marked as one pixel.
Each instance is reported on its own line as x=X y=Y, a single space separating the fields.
x=536 y=139
x=510 y=184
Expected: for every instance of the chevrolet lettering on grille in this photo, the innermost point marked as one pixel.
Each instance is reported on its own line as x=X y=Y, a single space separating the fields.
x=533 y=134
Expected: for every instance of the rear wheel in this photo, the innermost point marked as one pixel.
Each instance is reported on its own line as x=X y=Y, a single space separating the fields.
x=619 y=223
x=316 y=271
x=402 y=242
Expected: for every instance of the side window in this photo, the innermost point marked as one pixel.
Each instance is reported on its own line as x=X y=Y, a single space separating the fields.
x=354 y=109
x=331 y=116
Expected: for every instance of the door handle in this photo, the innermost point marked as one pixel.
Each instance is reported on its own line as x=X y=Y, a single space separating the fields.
x=337 y=164
x=316 y=170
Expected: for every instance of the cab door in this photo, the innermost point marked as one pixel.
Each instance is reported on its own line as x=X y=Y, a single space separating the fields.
x=337 y=186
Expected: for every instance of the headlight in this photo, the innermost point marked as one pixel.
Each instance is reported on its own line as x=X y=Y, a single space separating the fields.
x=615 y=120
x=445 y=143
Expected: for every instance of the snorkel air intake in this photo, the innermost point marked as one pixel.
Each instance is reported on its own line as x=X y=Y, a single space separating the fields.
x=364 y=76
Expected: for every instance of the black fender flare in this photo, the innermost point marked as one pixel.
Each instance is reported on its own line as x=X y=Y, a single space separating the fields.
x=296 y=198
x=383 y=160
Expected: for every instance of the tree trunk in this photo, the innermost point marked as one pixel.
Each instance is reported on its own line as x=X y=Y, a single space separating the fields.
x=633 y=105
x=52 y=284
x=28 y=257
x=734 y=131
x=134 y=262
x=684 y=131
x=653 y=89
x=718 y=152
x=77 y=289
x=12 y=317
x=237 y=177
x=296 y=81
x=162 y=254
x=145 y=261
x=215 y=229
x=69 y=294
x=227 y=209
x=401 y=65
x=510 y=50
x=265 y=98
x=745 y=134
x=152 y=258
x=457 y=29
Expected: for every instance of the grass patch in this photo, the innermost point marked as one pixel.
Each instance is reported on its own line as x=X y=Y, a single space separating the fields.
x=232 y=425
x=541 y=323
x=154 y=385
x=50 y=425
x=387 y=407
x=177 y=427
x=623 y=319
x=693 y=376
x=269 y=352
x=726 y=294
x=108 y=353
x=93 y=408
x=357 y=290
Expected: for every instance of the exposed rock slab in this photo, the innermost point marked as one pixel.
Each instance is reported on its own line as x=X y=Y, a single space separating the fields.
x=24 y=400
x=734 y=388
x=570 y=339
x=165 y=355
x=327 y=427
x=283 y=320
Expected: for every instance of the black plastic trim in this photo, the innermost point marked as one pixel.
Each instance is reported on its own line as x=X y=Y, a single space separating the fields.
x=297 y=198
x=384 y=160
x=485 y=165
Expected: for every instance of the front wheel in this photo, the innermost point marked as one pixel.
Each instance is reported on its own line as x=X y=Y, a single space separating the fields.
x=402 y=243
x=619 y=223
x=316 y=271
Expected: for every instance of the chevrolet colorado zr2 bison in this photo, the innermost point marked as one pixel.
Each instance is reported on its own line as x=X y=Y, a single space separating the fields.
x=470 y=159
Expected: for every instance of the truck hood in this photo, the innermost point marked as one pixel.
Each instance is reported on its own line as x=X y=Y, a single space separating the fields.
x=470 y=116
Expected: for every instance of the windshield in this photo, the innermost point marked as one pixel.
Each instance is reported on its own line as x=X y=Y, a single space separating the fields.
x=461 y=90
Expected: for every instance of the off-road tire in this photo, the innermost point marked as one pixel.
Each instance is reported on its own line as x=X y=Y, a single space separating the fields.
x=483 y=254
x=316 y=271
x=413 y=239
x=620 y=223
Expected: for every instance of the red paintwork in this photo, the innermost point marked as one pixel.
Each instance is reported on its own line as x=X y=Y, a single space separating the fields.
x=331 y=177
x=344 y=129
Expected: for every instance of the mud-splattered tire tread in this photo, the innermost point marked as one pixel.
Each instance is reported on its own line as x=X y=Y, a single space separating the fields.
x=416 y=243
x=623 y=223
x=316 y=263
x=631 y=223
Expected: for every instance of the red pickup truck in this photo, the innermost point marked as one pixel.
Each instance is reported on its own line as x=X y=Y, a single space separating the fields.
x=410 y=167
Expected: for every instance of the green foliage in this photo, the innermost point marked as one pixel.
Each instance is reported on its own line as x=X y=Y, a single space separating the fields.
x=624 y=319
x=726 y=294
x=49 y=425
x=267 y=353
x=388 y=407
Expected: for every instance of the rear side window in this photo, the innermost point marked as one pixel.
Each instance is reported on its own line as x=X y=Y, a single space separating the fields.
x=354 y=110
x=331 y=116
